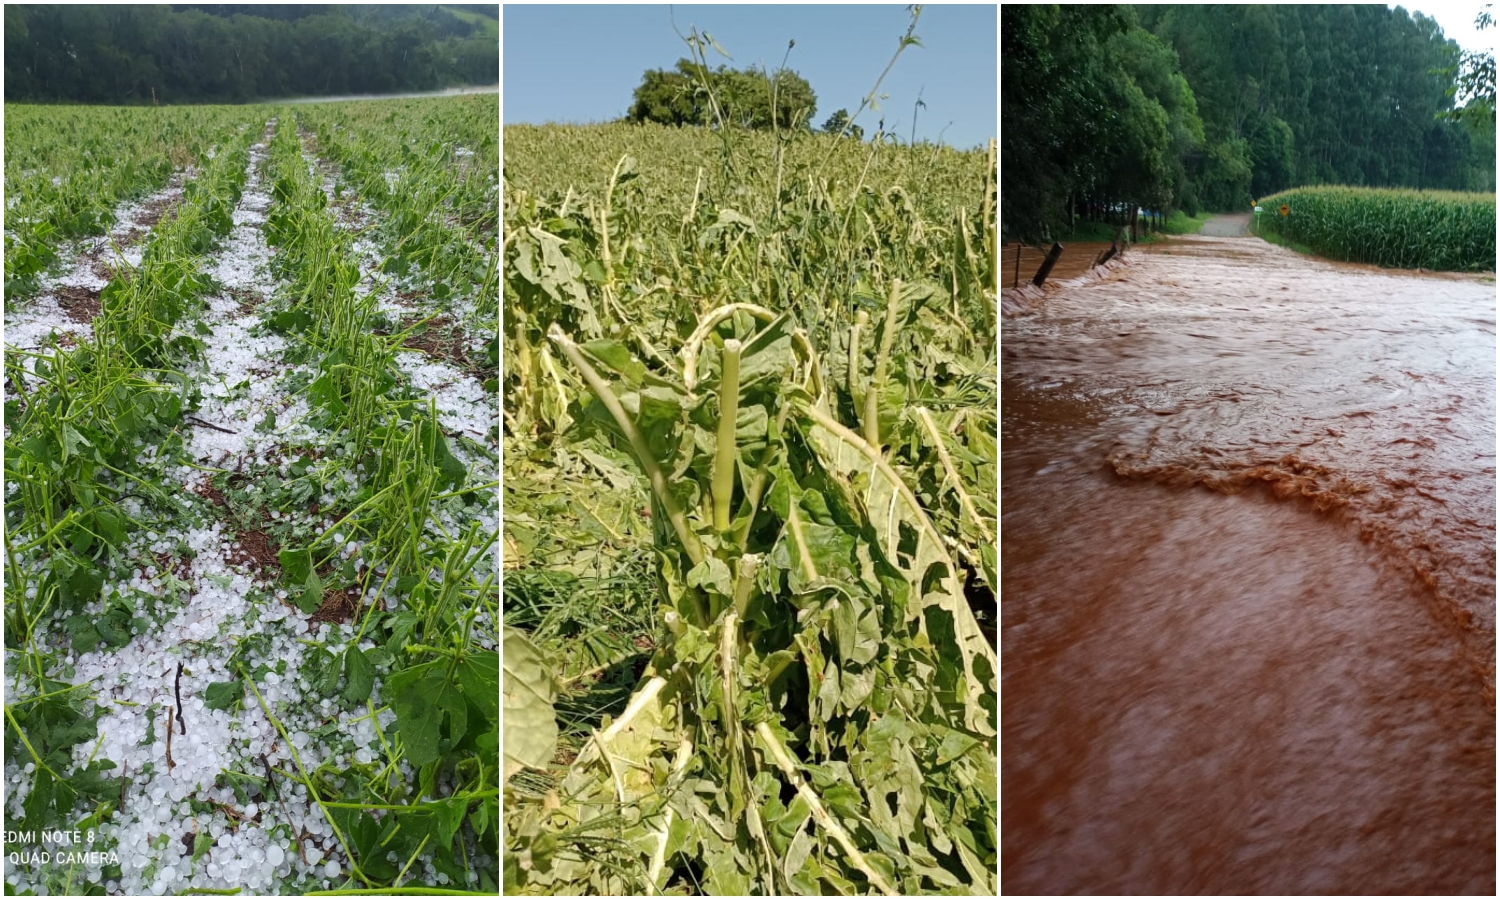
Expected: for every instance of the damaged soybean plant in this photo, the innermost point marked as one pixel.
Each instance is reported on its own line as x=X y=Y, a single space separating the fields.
x=821 y=716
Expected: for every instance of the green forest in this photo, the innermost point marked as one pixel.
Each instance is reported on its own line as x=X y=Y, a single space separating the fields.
x=1204 y=108
x=239 y=53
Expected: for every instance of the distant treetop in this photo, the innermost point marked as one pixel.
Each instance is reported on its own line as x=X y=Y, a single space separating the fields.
x=691 y=94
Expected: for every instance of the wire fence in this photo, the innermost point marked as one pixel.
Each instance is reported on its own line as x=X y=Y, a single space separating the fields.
x=1019 y=262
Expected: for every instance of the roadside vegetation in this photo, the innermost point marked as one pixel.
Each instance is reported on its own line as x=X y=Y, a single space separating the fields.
x=1113 y=107
x=750 y=493
x=251 y=592
x=1148 y=229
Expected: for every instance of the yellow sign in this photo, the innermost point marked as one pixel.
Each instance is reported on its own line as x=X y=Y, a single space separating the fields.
x=1285 y=209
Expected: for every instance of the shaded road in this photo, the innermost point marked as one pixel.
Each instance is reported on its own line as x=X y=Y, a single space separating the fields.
x=1226 y=225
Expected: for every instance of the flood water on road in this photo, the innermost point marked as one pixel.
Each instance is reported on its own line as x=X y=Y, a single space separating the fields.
x=1248 y=579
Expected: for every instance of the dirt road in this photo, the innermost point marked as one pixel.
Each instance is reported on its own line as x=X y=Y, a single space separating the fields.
x=1226 y=225
x=1248 y=578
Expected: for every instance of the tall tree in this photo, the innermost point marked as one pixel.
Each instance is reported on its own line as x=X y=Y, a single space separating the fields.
x=1356 y=88
x=1099 y=116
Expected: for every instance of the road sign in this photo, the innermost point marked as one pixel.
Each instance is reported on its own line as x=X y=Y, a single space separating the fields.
x=1285 y=209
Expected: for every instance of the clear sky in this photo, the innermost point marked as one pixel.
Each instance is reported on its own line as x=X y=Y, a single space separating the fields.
x=566 y=63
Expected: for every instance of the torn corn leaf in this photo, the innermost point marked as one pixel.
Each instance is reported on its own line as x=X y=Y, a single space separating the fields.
x=910 y=542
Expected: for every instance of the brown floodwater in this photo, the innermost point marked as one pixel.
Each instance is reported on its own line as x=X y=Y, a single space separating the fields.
x=1248 y=579
x=1075 y=260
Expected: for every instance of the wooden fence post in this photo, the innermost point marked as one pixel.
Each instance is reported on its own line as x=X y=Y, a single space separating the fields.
x=1047 y=264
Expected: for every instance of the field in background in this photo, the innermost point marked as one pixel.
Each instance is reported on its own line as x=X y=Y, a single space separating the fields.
x=252 y=521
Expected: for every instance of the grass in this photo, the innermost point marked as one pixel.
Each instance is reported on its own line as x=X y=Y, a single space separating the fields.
x=1180 y=222
x=1272 y=236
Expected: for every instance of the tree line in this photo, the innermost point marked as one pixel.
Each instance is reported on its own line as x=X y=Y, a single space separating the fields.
x=1110 y=108
x=242 y=52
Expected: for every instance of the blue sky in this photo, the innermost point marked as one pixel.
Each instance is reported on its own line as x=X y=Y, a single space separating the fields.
x=567 y=63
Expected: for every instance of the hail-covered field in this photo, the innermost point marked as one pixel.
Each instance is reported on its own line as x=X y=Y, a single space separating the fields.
x=251 y=508
x=750 y=500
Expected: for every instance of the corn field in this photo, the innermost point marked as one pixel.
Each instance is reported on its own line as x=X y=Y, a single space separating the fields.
x=749 y=467
x=1400 y=229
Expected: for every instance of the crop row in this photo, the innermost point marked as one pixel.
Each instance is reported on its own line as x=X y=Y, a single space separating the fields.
x=88 y=434
x=439 y=200
x=402 y=517
x=67 y=170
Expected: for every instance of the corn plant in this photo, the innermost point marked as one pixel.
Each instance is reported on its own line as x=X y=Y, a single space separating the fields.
x=820 y=645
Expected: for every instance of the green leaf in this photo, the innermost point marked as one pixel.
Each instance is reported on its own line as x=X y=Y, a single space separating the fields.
x=292 y=321
x=311 y=596
x=110 y=523
x=90 y=781
x=360 y=673
x=296 y=564
x=223 y=694
x=201 y=845
x=85 y=637
x=38 y=804
x=530 y=721
x=616 y=357
x=420 y=696
x=450 y=814
x=796 y=855
x=713 y=574
x=452 y=471
x=479 y=676
x=327 y=677
x=910 y=542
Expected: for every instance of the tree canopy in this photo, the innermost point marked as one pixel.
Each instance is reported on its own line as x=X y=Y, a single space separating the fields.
x=241 y=52
x=692 y=94
x=1474 y=78
x=1113 y=107
x=840 y=123
x=1095 y=110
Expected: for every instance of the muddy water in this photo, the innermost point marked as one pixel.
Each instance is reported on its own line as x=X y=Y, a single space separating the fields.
x=1075 y=260
x=1248 y=579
